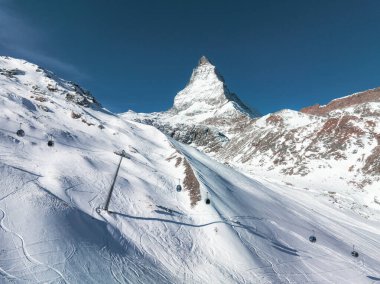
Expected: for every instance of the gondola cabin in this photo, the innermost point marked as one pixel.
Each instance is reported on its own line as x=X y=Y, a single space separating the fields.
x=208 y=201
x=354 y=253
x=20 y=132
x=312 y=239
x=50 y=143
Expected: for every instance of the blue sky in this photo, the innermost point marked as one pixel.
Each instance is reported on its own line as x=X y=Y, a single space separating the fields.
x=137 y=55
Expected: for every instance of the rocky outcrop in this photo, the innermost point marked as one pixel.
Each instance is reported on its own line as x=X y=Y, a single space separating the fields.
x=53 y=84
x=355 y=99
x=209 y=138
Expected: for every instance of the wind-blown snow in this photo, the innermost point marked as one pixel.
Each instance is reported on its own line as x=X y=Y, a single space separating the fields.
x=254 y=230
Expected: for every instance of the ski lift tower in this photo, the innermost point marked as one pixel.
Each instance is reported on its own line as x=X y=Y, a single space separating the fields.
x=122 y=155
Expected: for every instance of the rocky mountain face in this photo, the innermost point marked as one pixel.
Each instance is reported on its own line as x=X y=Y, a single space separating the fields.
x=207 y=93
x=344 y=146
x=205 y=113
x=342 y=103
x=336 y=145
x=53 y=84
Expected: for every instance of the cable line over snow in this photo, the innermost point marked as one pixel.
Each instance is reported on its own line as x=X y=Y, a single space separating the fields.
x=122 y=154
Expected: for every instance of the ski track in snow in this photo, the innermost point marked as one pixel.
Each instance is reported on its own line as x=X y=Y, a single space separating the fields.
x=254 y=230
x=25 y=251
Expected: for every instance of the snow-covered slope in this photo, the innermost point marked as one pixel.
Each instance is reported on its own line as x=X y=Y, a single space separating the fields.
x=339 y=142
x=254 y=230
x=337 y=153
x=369 y=96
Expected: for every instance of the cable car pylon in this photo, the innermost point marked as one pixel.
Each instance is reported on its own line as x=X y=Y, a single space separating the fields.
x=122 y=155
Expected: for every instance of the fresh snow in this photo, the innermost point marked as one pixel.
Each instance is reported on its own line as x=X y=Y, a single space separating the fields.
x=292 y=119
x=255 y=230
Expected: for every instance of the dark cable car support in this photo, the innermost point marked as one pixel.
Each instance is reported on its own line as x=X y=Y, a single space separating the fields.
x=354 y=253
x=208 y=201
x=20 y=132
x=51 y=141
x=313 y=238
x=122 y=155
x=179 y=187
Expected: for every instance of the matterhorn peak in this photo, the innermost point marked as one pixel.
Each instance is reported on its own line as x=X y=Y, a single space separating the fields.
x=206 y=72
x=204 y=61
x=207 y=93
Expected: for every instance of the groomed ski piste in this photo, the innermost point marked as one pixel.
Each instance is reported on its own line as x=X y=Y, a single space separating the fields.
x=253 y=231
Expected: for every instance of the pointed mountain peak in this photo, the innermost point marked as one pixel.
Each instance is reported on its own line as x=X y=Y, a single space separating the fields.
x=207 y=93
x=203 y=61
x=205 y=71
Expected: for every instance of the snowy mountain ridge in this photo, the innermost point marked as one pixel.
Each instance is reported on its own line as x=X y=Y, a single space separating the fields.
x=360 y=98
x=207 y=93
x=203 y=112
x=339 y=141
x=255 y=230
x=16 y=69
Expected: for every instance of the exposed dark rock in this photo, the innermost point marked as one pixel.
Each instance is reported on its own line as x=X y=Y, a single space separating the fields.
x=359 y=98
x=10 y=73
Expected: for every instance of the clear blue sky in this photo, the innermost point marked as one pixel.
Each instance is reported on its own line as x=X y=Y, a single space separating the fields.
x=137 y=55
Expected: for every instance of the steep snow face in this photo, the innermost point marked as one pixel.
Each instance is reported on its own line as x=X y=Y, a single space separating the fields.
x=206 y=95
x=206 y=88
x=205 y=113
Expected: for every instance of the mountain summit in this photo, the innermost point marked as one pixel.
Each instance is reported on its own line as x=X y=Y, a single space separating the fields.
x=205 y=113
x=207 y=94
x=203 y=60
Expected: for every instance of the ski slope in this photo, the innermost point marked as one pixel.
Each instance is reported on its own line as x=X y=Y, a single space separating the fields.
x=254 y=231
